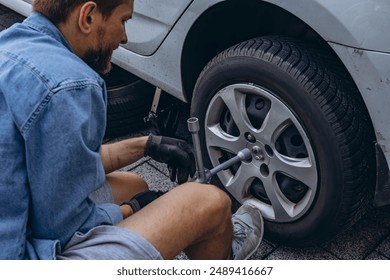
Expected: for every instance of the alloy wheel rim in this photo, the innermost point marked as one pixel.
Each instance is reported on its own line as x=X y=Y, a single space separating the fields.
x=282 y=175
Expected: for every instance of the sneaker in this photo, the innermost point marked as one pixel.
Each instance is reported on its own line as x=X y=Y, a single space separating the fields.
x=248 y=228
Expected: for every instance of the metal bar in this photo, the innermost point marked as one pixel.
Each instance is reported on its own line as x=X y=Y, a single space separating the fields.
x=193 y=127
x=242 y=155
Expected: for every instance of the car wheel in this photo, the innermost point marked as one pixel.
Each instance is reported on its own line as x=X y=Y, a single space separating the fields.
x=292 y=105
x=129 y=100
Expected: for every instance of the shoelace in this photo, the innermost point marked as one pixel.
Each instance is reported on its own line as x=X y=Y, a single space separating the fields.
x=240 y=234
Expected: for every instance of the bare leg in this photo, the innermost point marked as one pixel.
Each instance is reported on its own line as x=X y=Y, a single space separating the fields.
x=192 y=217
x=125 y=185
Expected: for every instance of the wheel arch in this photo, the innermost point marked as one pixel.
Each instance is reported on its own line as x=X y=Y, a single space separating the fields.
x=228 y=23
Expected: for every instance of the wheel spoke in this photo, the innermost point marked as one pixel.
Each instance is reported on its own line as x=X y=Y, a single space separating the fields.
x=277 y=119
x=237 y=184
x=299 y=169
x=283 y=210
x=216 y=137
x=234 y=100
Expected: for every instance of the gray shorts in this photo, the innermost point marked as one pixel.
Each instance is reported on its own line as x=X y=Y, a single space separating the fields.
x=108 y=242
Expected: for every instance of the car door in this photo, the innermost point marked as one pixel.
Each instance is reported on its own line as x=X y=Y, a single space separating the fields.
x=151 y=23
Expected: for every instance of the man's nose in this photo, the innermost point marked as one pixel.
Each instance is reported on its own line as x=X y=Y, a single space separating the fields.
x=124 y=38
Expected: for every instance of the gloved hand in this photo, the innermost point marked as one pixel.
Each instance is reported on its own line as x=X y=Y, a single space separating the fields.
x=142 y=199
x=175 y=152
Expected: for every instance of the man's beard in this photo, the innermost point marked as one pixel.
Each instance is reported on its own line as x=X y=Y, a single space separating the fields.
x=99 y=59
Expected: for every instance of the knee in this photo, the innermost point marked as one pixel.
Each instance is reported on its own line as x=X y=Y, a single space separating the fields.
x=216 y=209
x=219 y=199
x=213 y=200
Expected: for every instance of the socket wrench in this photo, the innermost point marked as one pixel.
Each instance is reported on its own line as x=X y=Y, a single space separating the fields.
x=202 y=174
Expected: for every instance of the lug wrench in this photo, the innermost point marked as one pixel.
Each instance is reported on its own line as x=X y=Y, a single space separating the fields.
x=203 y=175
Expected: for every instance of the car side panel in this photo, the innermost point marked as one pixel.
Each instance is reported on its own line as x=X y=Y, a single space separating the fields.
x=361 y=24
x=151 y=22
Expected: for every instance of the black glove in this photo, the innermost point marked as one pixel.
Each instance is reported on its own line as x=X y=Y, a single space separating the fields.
x=142 y=199
x=175 y=152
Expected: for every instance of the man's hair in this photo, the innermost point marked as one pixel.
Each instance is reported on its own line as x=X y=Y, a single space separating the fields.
x=59 y=10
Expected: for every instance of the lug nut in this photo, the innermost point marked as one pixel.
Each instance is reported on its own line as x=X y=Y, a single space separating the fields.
x=250 y=137
x=258 y=152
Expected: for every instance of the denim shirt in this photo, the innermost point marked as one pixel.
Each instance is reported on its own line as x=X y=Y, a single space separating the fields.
x=52 y=122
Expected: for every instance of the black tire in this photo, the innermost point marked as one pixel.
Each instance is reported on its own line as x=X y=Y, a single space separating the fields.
x=129 y=100
x=311 y=173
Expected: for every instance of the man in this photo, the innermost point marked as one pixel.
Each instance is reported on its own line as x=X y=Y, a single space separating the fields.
x=52 y=120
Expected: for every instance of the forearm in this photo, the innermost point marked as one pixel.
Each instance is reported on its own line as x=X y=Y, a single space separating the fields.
x=117 y=155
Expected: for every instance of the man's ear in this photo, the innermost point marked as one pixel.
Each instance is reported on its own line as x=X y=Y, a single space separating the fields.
x=87 y=16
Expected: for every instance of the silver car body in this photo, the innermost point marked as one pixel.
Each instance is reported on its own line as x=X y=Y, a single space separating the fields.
x=357 y=31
